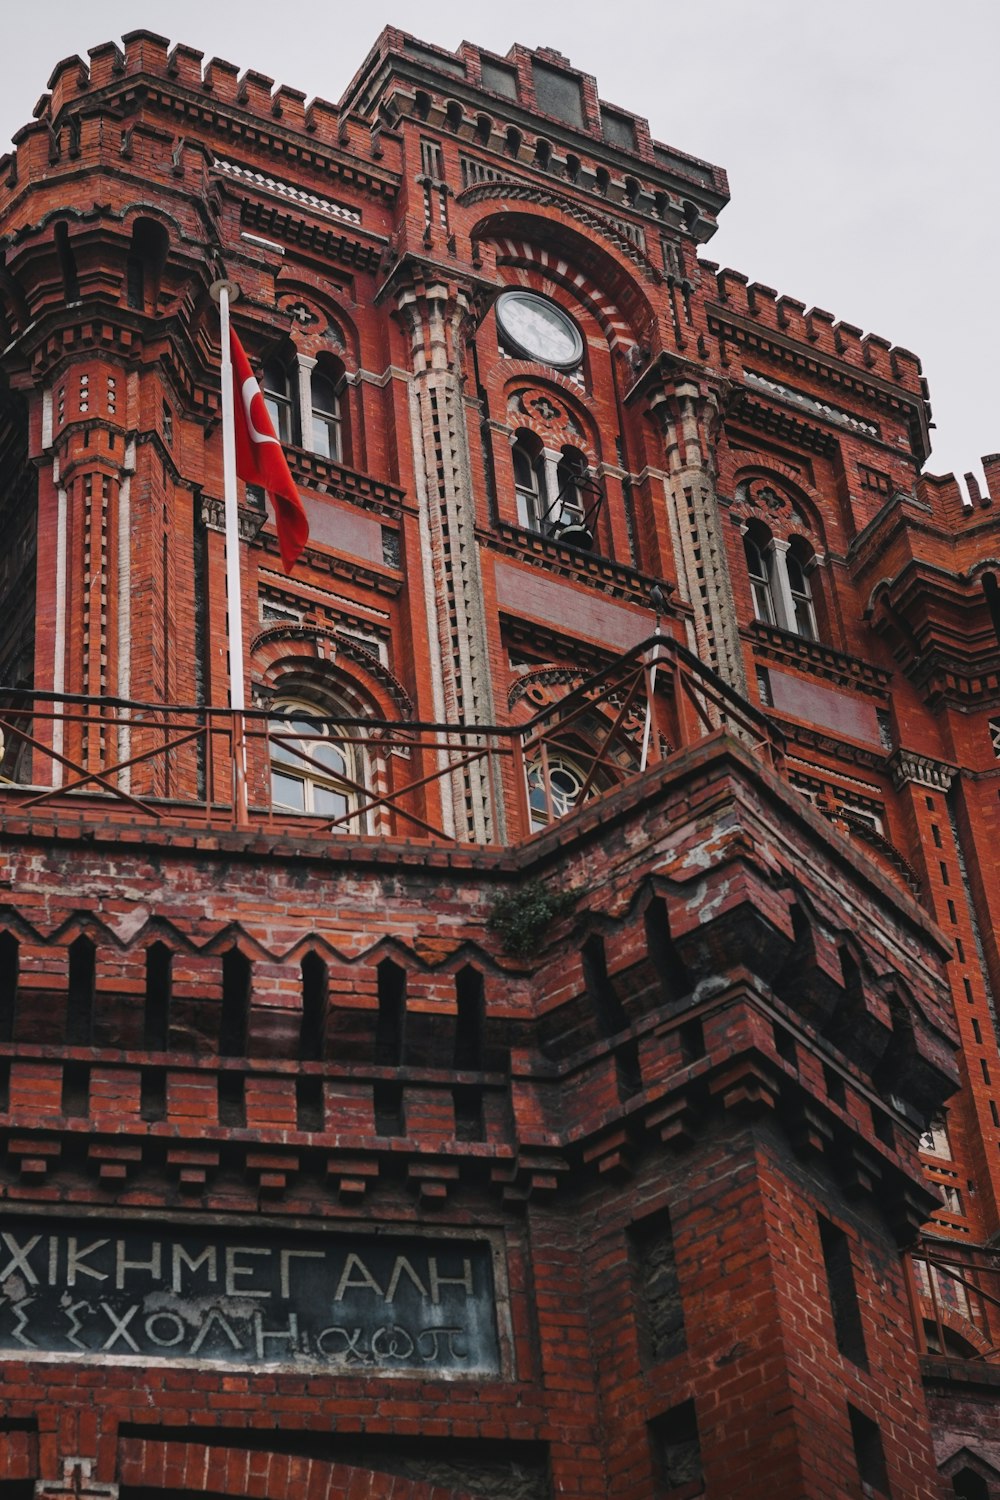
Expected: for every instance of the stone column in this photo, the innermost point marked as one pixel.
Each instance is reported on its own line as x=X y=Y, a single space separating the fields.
x=305 y=366
x=438 y=317
x=688 y=412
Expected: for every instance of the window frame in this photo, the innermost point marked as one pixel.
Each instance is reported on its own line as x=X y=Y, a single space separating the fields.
x=349 y=784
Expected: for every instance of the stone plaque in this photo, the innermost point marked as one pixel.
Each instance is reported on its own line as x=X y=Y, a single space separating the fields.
x=334 y=1301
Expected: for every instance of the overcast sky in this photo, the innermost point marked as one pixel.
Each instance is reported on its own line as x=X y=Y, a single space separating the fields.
x=859 y=135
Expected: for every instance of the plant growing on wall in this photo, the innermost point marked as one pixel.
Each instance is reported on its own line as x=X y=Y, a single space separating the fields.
x=521 y=917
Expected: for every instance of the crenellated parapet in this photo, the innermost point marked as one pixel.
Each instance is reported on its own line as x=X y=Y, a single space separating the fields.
x=866 y=381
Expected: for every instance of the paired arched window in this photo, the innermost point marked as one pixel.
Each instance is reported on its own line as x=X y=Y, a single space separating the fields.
x=304 y=399
x=778 y=572
x=315 y=767
x=554 y=491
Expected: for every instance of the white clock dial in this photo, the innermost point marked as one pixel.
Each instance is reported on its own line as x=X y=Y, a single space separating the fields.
x=538 y=328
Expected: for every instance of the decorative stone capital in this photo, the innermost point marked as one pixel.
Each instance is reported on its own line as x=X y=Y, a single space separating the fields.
x=906 y=766
x=437 y=305
x=689 y=411
x=251 y=518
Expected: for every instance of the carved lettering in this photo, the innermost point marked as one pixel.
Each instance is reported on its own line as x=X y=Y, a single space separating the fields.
x=438 y=1281
x=19 y=1258
x=193 y=1263
x=194 y=1295
x=74 y=1261
x=402 y=1264
x=122 y=1265
x=287 y=1256
x=234 y=1271
x=364 y=1279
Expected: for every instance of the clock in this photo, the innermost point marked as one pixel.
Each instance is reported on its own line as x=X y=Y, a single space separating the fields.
x=539 y=329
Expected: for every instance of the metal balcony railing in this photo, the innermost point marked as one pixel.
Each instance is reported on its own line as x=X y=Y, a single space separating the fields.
x=955 y=1298
x=165 y=764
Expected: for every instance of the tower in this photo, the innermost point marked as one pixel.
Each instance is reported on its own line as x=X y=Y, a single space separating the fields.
x=530 y=1100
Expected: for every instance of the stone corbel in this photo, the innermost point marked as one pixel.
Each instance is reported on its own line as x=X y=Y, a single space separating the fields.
x=907 y=766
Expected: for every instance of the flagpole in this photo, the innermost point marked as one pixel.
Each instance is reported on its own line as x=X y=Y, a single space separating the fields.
x=659 y=601
x=225 y=292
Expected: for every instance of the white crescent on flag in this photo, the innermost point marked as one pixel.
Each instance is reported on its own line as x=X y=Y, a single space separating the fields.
x=248 y=391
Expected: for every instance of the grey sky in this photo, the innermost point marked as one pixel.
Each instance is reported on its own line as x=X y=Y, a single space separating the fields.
x=856 y=133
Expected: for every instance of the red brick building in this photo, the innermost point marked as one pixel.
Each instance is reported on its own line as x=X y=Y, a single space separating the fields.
x=534 y=1095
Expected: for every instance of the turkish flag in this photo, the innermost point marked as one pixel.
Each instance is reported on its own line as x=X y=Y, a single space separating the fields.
x=260 y=459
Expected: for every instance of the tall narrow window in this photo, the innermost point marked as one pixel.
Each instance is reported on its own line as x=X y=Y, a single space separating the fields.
x=868 y=1453
x=234 y=1021
x=326 y=423
x=657 y=1289
x=756 y=544
x=156 y=1020
x=610 y=1016
x=279 y=398
x=388 y=1092
x=676 y=1451
x=468 y=1056
x=144 y=268
x=9 y=974
x=80 y=1000
x=843 y=1293
x=797 y=560
x=314 y=996
x=529 y=481
x=67 y=263
x=391 y=1014
x=312 y=770
x=568 y=517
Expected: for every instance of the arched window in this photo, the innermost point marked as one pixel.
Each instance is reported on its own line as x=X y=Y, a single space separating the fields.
x=778 y=572
x=760 y=562
x=314 y=769
x=280 y=398
x=554 y=787
x=327 y=426
x=571 y=507
x=529 y=480
x=146 y=258
x=798 y=560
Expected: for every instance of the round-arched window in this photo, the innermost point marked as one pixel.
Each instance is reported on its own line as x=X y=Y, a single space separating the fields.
x=314 y=768
x=326 y=417
x=556 y=793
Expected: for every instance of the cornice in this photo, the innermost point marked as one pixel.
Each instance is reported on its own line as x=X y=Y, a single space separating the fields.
x=819 y=659
x=210 y=114
x=614 y=579
x=363 y=250
x=731 y=327
x=339 y=566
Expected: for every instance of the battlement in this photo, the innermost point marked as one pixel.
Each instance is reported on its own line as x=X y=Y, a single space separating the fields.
x=842 y=341
x=540 y=82
x=964 y=502
x=147 y=53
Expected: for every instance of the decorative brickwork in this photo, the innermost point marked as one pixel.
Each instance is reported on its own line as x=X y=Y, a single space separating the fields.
x=544 y=1091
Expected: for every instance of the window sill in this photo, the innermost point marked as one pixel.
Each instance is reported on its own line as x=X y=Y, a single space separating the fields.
x=775 y=644
x=325 y=477
x=534 y=547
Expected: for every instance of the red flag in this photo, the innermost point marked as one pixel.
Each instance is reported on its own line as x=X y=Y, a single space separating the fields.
x=260 y=459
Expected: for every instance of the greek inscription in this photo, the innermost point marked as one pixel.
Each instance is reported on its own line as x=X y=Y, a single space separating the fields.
x=304 y=1300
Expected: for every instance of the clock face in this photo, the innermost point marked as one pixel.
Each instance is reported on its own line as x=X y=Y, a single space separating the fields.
x=540 y=329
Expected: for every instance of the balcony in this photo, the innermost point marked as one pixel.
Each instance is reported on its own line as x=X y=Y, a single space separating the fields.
x=82 y=761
